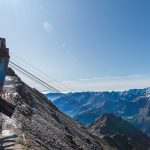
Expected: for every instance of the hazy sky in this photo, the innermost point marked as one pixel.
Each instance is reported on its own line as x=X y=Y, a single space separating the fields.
x=84 y=44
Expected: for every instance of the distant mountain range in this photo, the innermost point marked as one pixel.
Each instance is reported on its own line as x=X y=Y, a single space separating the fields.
x=52 y=96
x=132 y=105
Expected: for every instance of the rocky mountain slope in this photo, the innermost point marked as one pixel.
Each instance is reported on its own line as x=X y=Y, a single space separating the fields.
x=132 y=105
x=120 y=133
x=38 y=125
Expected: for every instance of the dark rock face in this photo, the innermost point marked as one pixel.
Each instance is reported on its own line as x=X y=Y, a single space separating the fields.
x=41 y=126
x=120 y=133
x=132 y=105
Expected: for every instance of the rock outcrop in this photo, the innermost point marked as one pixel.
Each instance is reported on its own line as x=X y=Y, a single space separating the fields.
x=38 y=125
x=120 y=133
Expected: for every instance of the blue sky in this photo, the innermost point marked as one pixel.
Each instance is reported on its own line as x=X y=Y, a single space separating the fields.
x=84 y=44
